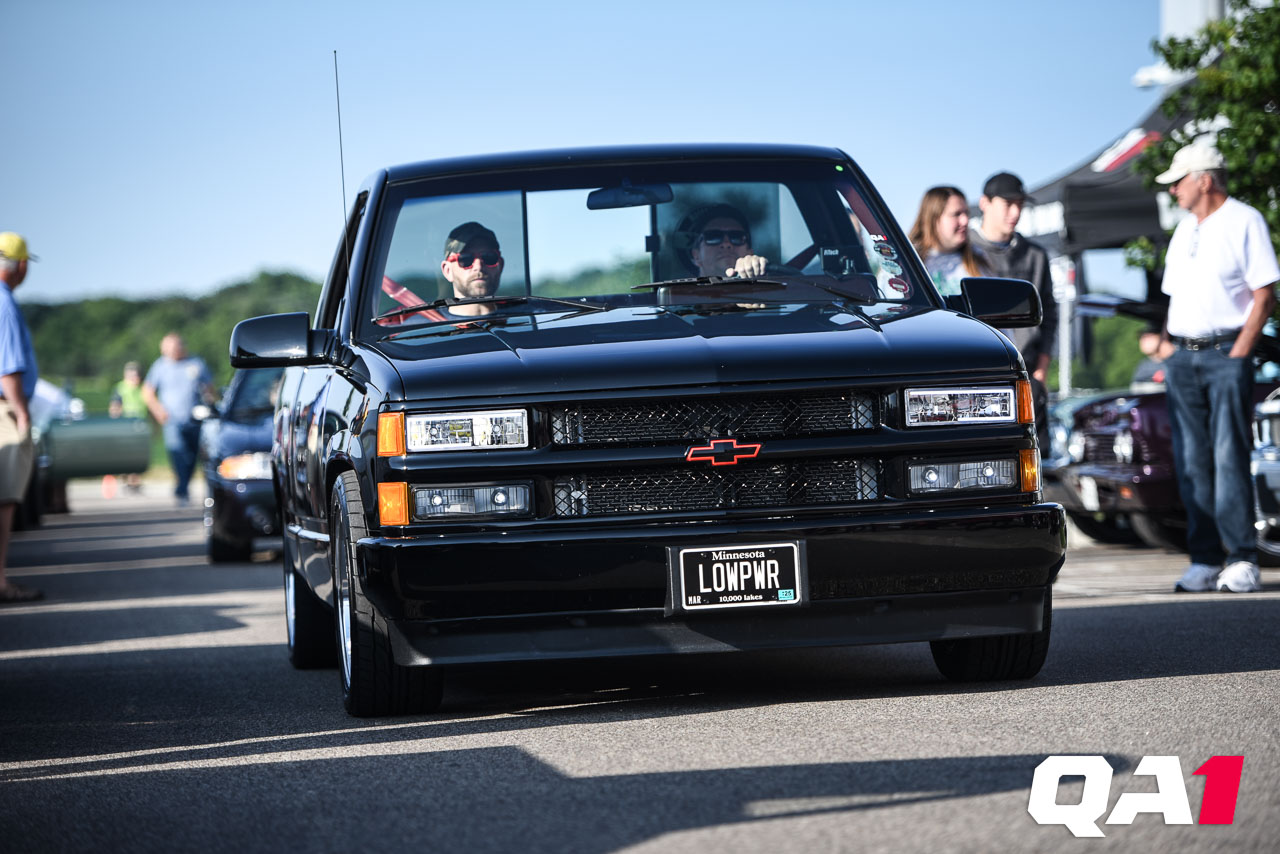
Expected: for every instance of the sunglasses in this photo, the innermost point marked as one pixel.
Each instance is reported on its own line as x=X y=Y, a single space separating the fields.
x=467 y=259
x=716 y=236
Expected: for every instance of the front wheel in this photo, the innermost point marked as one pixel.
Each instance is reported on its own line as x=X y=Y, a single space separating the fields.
x=1269 y=546
x=1157 y=532
x=1102 y=529
x=995 y=659
x=223 y=550
x=372 y=682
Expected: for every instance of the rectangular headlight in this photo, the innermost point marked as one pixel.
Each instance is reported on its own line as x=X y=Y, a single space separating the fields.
x=439 y=502
x=936 y=407
x=962 y=477
x=246 y=467
x=456 y=431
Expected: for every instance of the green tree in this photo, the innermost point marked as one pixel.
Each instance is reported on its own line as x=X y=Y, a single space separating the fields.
x=1236 y=62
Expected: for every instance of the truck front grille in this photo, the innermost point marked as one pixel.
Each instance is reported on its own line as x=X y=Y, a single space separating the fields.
x=790 y=483
x=753 y=416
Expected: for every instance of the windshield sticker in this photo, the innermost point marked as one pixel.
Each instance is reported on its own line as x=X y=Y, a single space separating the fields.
x=893 y=268
x=886 y=251
x=900 y=285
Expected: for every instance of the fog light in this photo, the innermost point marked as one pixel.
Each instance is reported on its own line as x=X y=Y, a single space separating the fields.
x=436 y=502
x=962 y=476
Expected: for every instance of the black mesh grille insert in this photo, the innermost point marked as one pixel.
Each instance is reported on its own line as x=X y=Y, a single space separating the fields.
x=659 y=421
x=791 y=483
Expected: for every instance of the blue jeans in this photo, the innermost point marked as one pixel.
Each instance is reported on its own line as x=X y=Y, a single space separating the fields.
x=182 y=441
x=1211 y=414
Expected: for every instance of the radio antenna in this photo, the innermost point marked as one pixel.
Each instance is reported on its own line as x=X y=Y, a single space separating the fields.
x=342 y=167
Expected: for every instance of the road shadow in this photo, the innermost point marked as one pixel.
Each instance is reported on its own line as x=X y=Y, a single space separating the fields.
x=484 y=799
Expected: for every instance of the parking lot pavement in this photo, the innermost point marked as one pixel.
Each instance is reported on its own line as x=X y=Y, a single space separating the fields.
x=1132 y=572
x=98 y=495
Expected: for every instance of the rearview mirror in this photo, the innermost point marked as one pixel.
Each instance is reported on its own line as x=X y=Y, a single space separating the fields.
x=274 y=340
x=1002 y=303
x=629 y=196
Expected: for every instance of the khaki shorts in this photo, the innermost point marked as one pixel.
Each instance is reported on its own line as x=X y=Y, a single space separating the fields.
x=17 y=456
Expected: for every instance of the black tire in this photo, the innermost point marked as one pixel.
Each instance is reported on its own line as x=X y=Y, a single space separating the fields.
x=308 y=621
x=1106 y=529
x=27 y=516
x=222 y=550
x=1157 y=533
x=1269 y=546
x=995 y=659
x=372 y=683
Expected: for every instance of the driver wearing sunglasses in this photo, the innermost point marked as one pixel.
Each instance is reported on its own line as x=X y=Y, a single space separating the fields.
x=720 y=242
x=473 y=265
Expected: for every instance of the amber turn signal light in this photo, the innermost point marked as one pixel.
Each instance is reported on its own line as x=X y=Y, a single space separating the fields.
x=1029 y=459
x=393 y=503
x=391 y=434
x=1026 y=410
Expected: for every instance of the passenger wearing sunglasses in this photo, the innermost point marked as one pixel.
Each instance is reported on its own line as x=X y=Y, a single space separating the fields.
x=719 y=242
x=473 y=265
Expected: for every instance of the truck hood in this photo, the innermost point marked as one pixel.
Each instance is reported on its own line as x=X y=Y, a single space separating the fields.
x=651 y=347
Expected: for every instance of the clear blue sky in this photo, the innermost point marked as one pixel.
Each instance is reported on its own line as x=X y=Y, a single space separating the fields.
x=159 y=147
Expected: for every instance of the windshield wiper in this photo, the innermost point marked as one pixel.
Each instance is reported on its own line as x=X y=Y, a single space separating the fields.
x=703 y=281
x=489 y=300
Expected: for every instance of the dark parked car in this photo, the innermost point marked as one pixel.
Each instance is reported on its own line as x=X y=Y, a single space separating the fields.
x=240 y=509
x=1117 y=481
x=620 y=458
x=70 y=444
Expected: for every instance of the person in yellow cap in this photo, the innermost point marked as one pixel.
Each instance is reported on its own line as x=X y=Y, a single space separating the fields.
x=17 y=384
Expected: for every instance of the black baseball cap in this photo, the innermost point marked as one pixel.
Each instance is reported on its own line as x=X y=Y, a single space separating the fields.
x=1006 y=185
x=465 y=234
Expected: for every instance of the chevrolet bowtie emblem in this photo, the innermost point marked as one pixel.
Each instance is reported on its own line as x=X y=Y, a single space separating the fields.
x=723 y=452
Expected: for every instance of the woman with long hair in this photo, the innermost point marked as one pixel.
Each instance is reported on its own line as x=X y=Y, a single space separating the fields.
x=941 y=236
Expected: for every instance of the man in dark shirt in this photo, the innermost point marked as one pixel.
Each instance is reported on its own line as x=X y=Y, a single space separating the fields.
x=1010 y=255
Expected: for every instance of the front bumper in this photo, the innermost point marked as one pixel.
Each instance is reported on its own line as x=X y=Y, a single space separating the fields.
x=241 y=510
x=593 y=592
x=1117 y=488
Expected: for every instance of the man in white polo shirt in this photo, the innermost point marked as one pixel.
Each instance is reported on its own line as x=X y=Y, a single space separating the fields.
x=1220 y=273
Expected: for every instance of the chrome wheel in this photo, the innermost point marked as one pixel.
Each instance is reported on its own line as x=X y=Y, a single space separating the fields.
x=342 y=601
x=290 y=608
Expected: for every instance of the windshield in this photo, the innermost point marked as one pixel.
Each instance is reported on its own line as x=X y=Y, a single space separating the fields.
x=459 y=249
x=252 y=394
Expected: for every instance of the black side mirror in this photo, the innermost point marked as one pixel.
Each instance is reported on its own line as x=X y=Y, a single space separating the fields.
x=276 y=340
x=1003 y=303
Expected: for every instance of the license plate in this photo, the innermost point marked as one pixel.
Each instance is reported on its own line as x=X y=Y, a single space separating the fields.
x=738 y=576
x=1089 y=493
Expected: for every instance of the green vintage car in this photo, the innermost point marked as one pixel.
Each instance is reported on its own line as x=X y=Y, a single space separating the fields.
x=70 y=445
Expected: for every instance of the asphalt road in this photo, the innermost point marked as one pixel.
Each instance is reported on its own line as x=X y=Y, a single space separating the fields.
x=148 y=705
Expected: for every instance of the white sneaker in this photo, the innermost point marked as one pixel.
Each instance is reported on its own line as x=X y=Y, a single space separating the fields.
x=1199 y=578
x=1240 y=577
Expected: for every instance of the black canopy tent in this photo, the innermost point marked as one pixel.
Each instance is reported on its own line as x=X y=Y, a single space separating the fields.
x=1102 y=203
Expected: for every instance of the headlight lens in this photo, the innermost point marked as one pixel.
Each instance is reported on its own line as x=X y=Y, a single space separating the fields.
x=437 y=502
x=1075 y=446
x=453 y=431
x=963 y=476
x=1122 y=446
x=936 y=407
x=246 y=467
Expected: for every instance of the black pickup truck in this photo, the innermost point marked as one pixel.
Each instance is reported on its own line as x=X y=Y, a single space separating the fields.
x=645 y=401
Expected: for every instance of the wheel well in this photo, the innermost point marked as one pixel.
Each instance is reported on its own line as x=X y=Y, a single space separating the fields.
x=334 y=470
